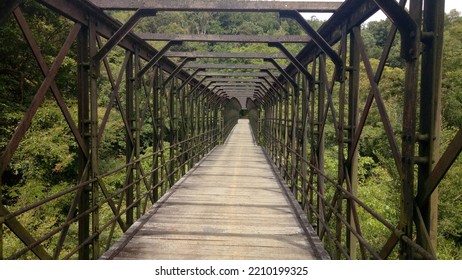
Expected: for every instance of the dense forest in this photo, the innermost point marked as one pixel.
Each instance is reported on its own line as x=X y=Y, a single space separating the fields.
x=46 y=161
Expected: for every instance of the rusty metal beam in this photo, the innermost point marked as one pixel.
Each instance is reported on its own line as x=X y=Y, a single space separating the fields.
x=226 y=55
x=178 y=69
x=157 y=57
x=24 y=235
x=233 y=74
x=231 y=66
x=294 y=60
x=283 y=72
x=7 y=7
x=243 y=80
x=80 y=11
x=441 y=168
x=430 y=119
x=207 y=38
x=54 y=88
x=406 y=26
x=276 y=81
x=26 y=121
x=220 y=6
x=317 y=39
x=349 y=15
x=248 y=90
x=195 y=73
x=234 y=83
x=120 y=34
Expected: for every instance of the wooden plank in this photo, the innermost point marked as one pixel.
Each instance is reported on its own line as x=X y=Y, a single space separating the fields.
x=231 y=205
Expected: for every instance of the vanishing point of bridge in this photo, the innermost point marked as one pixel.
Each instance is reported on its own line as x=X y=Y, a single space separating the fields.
x=209 y=185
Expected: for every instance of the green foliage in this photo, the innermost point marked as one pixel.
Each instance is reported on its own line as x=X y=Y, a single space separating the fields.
x=375 y=34
x=452 y=71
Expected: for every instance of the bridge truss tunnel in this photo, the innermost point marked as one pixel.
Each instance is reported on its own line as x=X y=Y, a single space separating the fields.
x=297 y=110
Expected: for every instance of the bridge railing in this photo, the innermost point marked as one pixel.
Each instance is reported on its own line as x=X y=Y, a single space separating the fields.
x=314 y=131
x=157 y=121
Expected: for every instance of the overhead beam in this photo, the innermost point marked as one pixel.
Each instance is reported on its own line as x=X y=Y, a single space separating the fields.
x=231 y=66
x=226 y=55
x=292 y=59
x=240 y=80
x=317 y=39
x=121 y=33
x=350 y=14
x=207 y=38
x=178 y=69
x=283 y=72
x=233 y=74
x=79 y=11
x=158 y=57
x=220 y=6
x=234 y=85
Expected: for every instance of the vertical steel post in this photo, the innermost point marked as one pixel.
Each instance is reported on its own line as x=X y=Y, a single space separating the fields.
x=129 y=93
x=286 y=127
x=275 y=130
x=430 y=114
x=156 y=134
x=192 y=131
x=171 y=100
x=341 y=141
x=409 y=132
x=353 y=97
x=83 y=89
x=95 y=70
x=136 y=85
x=312 y=144
x=304 y=142
x=320 y=142
x=184 y=128
x=198 y=129
x=162 y=104
x=293 y=143
x=204 y=123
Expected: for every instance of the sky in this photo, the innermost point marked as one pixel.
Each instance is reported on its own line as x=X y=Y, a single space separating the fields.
x=450 y=4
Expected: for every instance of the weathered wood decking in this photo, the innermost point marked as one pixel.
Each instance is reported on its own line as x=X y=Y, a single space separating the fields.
x=231 y=205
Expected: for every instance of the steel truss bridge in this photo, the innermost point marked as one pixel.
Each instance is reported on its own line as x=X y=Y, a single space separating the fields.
x=294 y=103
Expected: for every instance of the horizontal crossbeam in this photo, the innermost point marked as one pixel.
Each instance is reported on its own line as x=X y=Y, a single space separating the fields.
x=238 y=80
x=207 y=38
x=233 y=74
x=231 y=66
x=226 y=55
x=220 y=6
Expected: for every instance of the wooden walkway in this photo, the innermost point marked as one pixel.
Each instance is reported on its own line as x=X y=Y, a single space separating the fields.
x=231 y=205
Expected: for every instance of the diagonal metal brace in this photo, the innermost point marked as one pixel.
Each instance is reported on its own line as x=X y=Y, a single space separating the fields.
x=191 y=77
x=121 y=33
x=318 y=40
x=283 y=72
x=293 y=59
x=158 y=57
x=278 y=83
x=406 y=26
x=178 y=69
